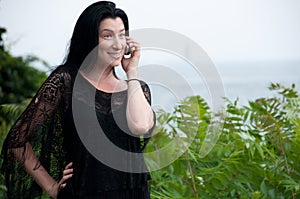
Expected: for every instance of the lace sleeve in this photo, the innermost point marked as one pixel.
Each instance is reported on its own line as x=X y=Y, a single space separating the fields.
x=39 y=125
x=39 y=110
x=147 y=93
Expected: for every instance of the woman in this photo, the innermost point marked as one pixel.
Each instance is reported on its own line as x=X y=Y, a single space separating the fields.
x=46 y=137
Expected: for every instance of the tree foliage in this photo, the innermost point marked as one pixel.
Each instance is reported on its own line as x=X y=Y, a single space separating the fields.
x=256 y=156
x=19 y=81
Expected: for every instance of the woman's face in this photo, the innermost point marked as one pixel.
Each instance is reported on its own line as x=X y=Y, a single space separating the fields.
x=112 y=41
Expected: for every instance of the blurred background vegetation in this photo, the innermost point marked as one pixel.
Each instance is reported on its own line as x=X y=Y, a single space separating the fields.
x=19 y=81
x=256 y=155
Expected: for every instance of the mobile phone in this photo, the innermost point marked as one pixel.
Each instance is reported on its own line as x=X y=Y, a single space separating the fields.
x=127 y=49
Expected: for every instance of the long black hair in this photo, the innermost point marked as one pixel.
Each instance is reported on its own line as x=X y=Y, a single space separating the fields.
x=86 y=31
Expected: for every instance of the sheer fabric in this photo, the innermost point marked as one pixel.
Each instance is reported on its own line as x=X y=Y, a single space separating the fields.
x=48 y=125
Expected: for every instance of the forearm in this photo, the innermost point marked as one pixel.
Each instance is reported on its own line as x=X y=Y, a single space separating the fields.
x=35 y=169
x=139 y=112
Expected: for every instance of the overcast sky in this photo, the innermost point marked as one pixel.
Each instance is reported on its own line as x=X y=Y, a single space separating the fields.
x=225 y=29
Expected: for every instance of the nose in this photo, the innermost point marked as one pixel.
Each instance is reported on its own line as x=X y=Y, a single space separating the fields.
x=118 y=43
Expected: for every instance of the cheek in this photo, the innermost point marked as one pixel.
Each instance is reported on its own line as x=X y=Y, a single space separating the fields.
x=124 y=46
x=123 y=42
x=103 y=45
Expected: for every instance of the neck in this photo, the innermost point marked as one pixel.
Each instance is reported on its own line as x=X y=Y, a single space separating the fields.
x=102 y=79
x=97 y=73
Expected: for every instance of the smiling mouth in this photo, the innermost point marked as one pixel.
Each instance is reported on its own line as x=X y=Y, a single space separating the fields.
x=115 y=55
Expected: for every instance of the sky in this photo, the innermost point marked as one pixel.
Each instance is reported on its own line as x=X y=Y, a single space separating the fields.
x=228 y=30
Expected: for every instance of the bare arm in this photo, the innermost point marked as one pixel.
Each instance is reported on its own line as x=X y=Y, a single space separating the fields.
x=139 y=112
x=36 y=170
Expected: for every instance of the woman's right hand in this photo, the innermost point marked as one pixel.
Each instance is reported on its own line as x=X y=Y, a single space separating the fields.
x=67 y=174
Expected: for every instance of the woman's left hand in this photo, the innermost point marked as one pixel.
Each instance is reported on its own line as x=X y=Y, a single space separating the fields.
x=58 y=186
x=131 y=63
x=67 y=174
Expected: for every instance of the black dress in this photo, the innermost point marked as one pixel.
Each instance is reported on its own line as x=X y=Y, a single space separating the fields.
x=60 y=125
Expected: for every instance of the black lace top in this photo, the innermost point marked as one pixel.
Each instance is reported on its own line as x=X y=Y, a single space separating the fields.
x=48 y=125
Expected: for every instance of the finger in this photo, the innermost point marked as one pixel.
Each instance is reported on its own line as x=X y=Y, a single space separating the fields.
x=65 y=178
x=132 y=41
x=129 y=39
x=134 y=46
x=61 y=186
x=69 y=165
x=67 y=171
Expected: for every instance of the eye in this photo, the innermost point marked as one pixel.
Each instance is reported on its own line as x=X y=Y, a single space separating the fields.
x=122 y=35
x=107 y=36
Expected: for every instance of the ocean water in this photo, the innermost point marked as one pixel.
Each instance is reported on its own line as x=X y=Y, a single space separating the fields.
x=250 y=80
x=242 y=81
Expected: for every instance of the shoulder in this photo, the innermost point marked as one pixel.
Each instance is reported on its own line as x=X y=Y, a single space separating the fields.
x=146 y=90
x=56 y=87
x=61 y=76
x=144 y=86
x=58 y=82
x=61 y=72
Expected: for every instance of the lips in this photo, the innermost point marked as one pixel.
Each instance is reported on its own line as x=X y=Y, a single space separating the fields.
x=115 y=55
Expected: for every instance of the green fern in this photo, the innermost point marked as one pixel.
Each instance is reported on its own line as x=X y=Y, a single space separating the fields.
x=256 y=156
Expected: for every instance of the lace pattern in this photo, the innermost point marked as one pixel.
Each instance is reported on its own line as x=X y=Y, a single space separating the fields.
x=43 y=125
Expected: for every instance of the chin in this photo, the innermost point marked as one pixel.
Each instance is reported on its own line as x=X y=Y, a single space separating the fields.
x=116 y=63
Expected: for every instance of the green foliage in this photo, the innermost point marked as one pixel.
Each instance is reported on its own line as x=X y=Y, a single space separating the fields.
x=256 y=154
x=19 y=81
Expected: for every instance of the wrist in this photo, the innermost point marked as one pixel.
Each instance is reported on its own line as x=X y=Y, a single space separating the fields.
x=131 y=80
x=52 y=190
x=132 y=74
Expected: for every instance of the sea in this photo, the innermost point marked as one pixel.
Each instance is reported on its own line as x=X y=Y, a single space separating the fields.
x=240 y=81
x=250 y=80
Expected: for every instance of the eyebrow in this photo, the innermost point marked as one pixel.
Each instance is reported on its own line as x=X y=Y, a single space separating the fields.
x=108 y=30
